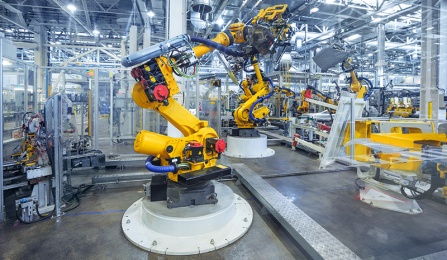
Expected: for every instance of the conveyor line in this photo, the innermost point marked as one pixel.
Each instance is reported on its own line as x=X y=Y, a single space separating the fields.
x=314 y=239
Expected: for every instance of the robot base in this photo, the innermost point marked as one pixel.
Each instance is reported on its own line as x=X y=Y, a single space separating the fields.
x=248 y=147
x=187 y=230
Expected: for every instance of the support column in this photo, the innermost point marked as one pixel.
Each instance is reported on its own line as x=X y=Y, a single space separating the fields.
x=2 y=208
x=429 y=62
x=41 y=60
x=443 y=49
x=380 y=53
x=131 y=117
x=177 y=26
x=146 y=44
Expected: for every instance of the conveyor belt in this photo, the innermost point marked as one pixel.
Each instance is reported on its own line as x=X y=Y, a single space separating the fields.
x=314 y=239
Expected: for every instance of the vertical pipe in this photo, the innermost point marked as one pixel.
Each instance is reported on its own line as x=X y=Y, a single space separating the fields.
x=352 y=128
x=111 y=112
x=442 y=53
x=57 y=158
x=89 y=104
x=82 y=104
x=2 y=208
x=219 y=109
x=95 y=111
x=381 y=52
x=197 y=96
x=146 y=44
x=168 y=7
x=25 y=90
x=35 y=97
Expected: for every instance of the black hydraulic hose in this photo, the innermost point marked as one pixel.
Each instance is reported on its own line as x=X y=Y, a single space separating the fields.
x=217 y=46
x=370 y=87
x=250 y=113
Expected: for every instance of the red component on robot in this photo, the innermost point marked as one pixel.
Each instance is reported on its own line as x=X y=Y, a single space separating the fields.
x=195 y=145
x=323 y=127
x=161 y=92
x=308 y=93
x=220 y=146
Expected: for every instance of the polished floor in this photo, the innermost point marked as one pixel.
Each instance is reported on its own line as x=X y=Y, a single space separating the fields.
x=93 y=231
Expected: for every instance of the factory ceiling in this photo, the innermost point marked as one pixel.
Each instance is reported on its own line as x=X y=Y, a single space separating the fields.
x=319 y=23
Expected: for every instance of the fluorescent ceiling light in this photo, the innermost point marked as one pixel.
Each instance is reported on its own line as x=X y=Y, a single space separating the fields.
x=95 y=32
x=150 y=13
x=220 y=21
x=71 y=7
x=9 y=30
x=6 y=62
x=353 y=37
x=314 y=10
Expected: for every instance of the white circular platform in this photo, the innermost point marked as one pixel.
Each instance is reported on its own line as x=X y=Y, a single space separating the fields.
x=188 y=230
x=248 y=147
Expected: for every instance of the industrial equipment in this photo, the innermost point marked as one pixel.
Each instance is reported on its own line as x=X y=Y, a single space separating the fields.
x=32 y=158
x=405 y=157
x=188 y=165
x=191 y=161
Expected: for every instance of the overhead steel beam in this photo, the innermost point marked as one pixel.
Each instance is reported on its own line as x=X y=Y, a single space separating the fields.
x=77 y=57
x=63 y=7
x=251 y=10
x=111 y=54
x=141 y=6
x=87 y=14
x=16 y=23
x=14 y=10
x=236 y=13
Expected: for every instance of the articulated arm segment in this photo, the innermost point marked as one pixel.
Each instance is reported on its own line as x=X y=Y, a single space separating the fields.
x=154 y=90
x=356 y=83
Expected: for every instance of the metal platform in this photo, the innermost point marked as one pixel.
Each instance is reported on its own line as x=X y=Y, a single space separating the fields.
x=314 y=239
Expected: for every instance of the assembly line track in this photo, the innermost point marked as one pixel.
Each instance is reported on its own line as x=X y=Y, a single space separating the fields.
x=316 y=241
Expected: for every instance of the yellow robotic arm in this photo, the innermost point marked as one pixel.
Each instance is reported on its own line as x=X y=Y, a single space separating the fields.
x=356 y=86
x=191 y=160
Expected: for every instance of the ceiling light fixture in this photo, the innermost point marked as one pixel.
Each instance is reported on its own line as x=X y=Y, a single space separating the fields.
x=9 y=30
x=314 y=10
x=150 y=14
x=220 y=21
x=95 y=32
x=6 y=63
x=71 y=7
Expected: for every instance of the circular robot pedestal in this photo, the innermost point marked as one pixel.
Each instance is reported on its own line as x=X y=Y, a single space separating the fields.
x=248 y=147
x=188 y=230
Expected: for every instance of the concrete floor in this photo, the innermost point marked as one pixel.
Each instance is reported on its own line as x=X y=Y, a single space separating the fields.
x=93 y=230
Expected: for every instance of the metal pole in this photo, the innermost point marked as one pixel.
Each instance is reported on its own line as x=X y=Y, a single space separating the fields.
x=2 y=209
x=219 y=109
x=197 y=97
x=25 y=90
x=35 y=97
x=352 y=132
x=381 y=53
x=111 y=113
x=57 y=158
x=95 y=110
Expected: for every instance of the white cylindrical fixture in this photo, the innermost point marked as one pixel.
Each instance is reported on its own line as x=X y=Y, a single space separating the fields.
x=248 y=147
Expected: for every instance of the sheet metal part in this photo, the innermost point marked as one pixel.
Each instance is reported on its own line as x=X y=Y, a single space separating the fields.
x=314 y=239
